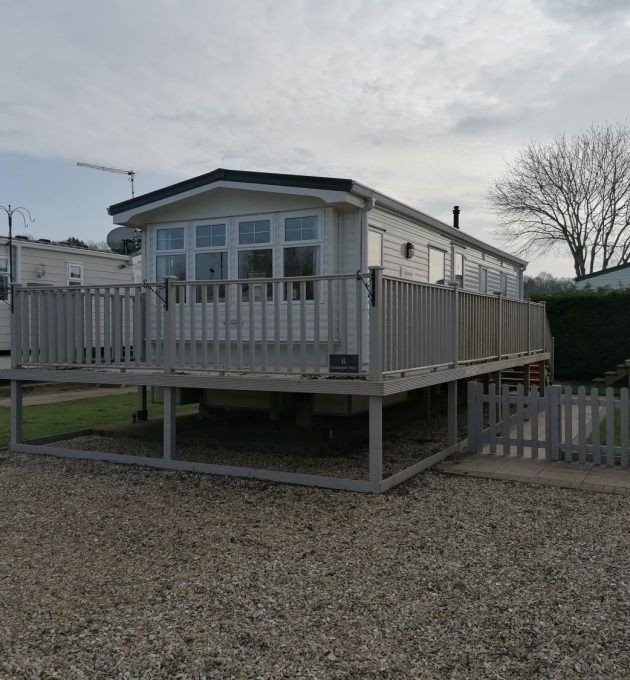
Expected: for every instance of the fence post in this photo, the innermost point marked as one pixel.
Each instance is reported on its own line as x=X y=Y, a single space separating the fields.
x=552 y=417
x=169 y=324
x=529 y=326
x=376 y=324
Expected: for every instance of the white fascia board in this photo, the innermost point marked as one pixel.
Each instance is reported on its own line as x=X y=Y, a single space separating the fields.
x=457 y=235
x=133 y=217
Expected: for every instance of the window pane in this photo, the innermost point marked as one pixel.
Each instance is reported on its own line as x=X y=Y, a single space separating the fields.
x=483 y=281
x=301 y=228
x=255 y=264
x=211 y=236
x=459 y=269
x=256 y=231
x=170 y=239
x=436 y=265
x=504 y=284
x=211 y=267
x=4 y=264
x=170 y=265
x=301 y=261
x=375 y=249
x=4 y=287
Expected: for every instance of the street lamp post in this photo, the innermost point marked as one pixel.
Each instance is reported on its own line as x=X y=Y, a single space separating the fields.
x=24 y=213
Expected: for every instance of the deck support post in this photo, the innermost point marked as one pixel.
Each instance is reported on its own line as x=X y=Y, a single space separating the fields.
x=527 y=381
x=143 y=412
x=452 y=412
x=16 y=412
x=170 y=429
x=376 y=442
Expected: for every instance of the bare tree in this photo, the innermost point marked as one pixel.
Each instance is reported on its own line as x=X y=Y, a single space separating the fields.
x=571 y=192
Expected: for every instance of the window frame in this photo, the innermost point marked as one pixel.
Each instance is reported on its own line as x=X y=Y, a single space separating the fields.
x=503 y=279
x=254 y=246
x=305 y=243
x=75 y=282
x=444 y=253
x=483 y=290
x=458 y=254
x=213 y=223
x=381 y=234
x=171 y=250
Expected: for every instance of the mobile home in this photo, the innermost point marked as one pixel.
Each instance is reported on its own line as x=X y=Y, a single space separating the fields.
x=266 y=290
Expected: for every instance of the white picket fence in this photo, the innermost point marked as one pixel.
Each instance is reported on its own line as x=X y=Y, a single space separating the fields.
x=558 y=425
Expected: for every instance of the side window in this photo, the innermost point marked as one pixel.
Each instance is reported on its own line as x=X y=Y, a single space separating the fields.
x=170 y=265
x=458 y=267
x=483 y=280
x=75 y=274
x=4 y=279
x=375 y=248
x=504 y=284
x=437 y=265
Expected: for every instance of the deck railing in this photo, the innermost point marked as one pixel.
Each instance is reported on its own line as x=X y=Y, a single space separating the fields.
x=434 y=326
x=281 y=325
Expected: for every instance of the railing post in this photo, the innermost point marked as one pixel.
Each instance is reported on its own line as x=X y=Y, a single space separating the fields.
x=529 y=323
x=376 y=324
x=169 y=324
x=500 y=327
x=455 y=325
x=16 y=326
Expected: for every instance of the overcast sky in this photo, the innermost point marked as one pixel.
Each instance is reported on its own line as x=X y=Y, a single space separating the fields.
x=424 y=100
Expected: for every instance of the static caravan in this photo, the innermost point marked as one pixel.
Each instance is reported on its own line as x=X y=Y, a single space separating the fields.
x=287 y=292
x=42 y=263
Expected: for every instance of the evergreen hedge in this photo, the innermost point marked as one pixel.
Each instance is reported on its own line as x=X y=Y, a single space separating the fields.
x=591 y=330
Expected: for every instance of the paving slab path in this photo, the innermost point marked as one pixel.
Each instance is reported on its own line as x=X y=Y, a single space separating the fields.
x=534 y=471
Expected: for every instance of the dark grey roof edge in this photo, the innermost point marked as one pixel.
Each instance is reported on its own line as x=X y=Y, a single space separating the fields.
x=222 y=174
x=616 y=268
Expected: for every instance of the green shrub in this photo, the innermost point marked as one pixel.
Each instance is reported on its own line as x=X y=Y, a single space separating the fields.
x=591 y=330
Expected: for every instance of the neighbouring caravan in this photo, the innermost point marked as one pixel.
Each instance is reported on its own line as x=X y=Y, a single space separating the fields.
x=44 y=263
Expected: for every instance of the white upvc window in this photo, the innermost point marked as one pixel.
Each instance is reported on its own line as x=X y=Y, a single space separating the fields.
x=375 y=248
x=483 y=280
x=4 y=279
x=254 y=261
x=211 y=235
x=75 y=274
x=458 y=269
x=437 y=265
x=170 y=238
x=301 y=252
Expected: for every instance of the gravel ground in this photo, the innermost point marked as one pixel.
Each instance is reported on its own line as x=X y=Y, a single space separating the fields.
x=250 y=440
x=113 y=571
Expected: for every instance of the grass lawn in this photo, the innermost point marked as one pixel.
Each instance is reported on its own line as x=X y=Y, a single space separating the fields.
x=49 y=419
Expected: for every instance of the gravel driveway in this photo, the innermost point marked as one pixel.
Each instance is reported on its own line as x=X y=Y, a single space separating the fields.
x=108 y=571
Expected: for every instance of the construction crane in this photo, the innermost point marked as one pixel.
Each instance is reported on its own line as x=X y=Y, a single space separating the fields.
x=130 y=173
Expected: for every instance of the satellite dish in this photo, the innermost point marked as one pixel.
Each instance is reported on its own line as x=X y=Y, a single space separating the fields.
x=125 y=240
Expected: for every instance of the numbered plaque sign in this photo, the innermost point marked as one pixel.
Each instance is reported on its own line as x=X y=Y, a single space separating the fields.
x=344 y=363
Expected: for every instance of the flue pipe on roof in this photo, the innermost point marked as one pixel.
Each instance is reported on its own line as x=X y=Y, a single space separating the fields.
x=456 y=217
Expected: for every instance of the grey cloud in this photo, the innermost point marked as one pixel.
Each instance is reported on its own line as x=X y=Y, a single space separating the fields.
x=583 y=9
